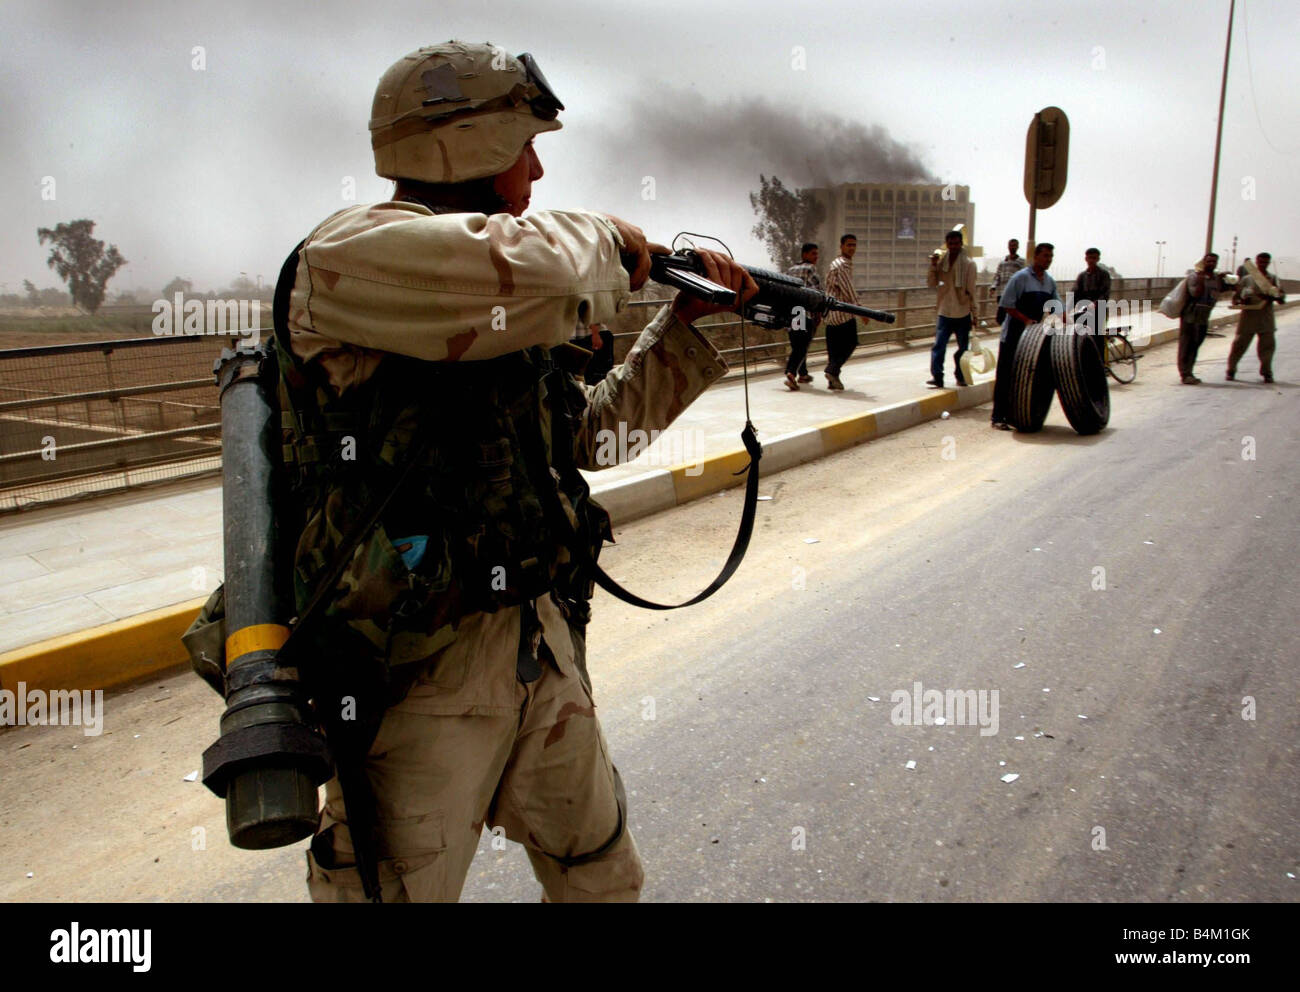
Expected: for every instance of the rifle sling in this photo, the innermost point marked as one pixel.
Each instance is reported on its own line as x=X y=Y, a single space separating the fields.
x=563 y=440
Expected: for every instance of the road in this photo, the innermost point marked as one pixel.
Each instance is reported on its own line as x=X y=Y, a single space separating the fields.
x=1122 y=594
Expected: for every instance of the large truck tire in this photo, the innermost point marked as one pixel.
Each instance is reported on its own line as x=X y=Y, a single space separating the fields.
x=1033 y=382
x=1081 y=381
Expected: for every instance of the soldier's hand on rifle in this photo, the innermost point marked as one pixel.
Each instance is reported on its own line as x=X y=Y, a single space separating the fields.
x=720 y=269
x=636 y=251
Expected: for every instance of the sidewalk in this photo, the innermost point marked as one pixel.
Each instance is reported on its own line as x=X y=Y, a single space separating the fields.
x=67 y=569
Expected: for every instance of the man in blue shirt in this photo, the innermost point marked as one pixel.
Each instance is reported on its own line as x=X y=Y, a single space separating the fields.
x=1024 y=299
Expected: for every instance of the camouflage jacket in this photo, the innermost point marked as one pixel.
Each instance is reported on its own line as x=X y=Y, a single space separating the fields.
x=394 y=279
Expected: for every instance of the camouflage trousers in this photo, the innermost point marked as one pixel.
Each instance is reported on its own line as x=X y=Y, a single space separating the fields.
x=471 y=745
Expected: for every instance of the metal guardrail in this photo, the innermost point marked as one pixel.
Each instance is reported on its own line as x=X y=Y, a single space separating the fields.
x=84 y=419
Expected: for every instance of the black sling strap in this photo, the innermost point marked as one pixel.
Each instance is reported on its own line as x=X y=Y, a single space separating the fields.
x=563 y=440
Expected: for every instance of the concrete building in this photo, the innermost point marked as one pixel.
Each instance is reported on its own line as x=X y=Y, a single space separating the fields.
x=898 y=225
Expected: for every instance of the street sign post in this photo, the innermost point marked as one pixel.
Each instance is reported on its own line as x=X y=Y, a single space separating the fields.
x=1047 y=150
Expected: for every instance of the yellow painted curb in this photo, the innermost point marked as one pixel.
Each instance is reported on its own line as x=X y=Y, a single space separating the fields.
x=103 y=656
x=719 y=472
x=935 y=403
x=847 y=431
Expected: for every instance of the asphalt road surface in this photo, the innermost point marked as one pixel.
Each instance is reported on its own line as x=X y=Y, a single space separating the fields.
x=1130 y=598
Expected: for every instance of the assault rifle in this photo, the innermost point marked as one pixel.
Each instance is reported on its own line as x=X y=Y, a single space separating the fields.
x=775 y=305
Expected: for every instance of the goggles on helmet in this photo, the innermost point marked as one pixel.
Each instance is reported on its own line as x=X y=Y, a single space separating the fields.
x=546 y=105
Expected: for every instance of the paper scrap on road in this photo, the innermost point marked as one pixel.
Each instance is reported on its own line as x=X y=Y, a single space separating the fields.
x=192 y=777
x=1019 y=664
x=910 y=764
x=811 y=540
x=1010 y=777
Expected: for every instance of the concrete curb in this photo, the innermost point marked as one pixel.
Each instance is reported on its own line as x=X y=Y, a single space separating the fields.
x=126 y=650
x=100 y=657
x=663 y=489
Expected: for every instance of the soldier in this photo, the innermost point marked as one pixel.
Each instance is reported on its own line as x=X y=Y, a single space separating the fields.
x=469 y=594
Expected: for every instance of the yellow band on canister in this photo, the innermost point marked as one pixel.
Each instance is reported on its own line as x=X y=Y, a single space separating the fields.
x=258 y=637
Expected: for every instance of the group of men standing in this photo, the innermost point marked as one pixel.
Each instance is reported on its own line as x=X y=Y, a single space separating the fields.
x=1023 y=289
x=1254 y=296
x=841 y=328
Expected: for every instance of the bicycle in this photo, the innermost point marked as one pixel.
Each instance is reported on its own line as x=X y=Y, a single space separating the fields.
x=1117 y=354
x=1119 y=357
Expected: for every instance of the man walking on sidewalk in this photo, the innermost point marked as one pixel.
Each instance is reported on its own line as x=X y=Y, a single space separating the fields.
x=1024 y=299
x=800 y=339
x=1255 y=295
x=1007 y=268
x=1203 y=288
x=841 y=328
x=953 y=274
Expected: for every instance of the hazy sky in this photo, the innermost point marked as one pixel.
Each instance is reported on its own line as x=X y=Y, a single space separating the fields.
x=207 y=173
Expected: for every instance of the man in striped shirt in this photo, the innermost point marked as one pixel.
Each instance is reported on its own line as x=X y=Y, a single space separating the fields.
x=1007 y=268
x=841 y=328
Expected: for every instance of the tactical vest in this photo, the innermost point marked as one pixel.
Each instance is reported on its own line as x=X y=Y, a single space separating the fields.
x=474 y=526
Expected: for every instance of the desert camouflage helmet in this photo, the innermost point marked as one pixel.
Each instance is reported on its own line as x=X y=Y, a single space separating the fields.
x=452 y=112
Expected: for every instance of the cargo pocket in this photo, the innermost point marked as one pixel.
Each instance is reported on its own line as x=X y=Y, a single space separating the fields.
x=412 y=866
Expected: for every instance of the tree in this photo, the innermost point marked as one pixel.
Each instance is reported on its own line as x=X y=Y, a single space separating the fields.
x=33 y=294
x=81 y=261
x=177 y=285
x=786 y=219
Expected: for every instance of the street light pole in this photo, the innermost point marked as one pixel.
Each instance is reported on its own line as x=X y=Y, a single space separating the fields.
x=1218 y=138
